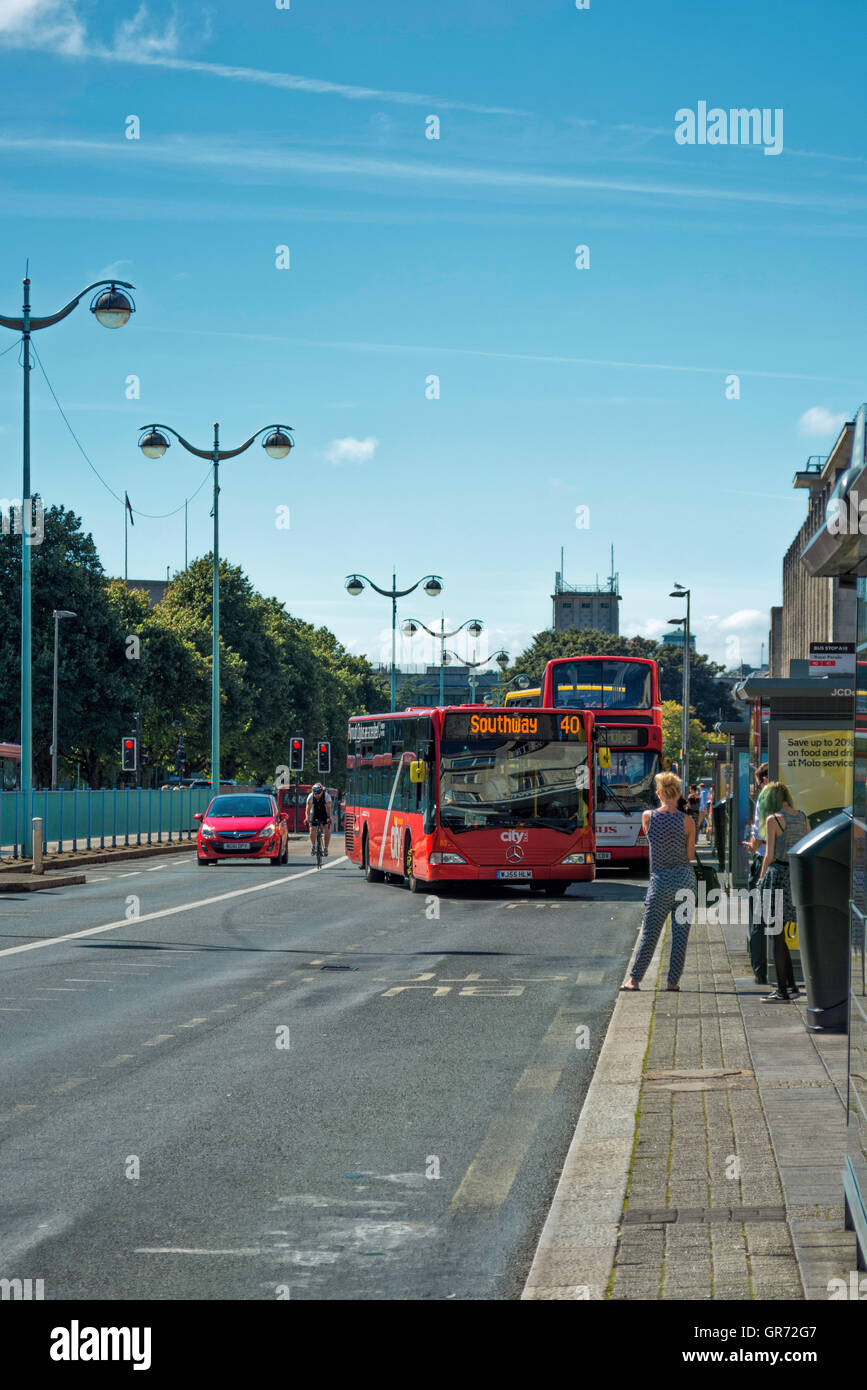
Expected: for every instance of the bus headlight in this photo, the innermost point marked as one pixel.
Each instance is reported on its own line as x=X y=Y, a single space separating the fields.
x=577 y=859
x=439 y=858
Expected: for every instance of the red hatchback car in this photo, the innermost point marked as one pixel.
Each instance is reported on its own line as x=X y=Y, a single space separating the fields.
x=242 y=825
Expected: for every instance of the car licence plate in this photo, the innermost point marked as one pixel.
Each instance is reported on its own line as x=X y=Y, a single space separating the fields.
x=603 y=854
x=514 y=873
x=235 y=847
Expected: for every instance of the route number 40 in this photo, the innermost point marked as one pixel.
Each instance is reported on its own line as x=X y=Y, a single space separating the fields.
x=394 y=843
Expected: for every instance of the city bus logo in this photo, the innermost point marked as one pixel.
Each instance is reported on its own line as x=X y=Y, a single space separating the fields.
x=514 y=854
x=513 y=837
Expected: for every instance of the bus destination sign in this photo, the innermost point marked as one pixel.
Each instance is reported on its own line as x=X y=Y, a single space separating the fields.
x=514 y=723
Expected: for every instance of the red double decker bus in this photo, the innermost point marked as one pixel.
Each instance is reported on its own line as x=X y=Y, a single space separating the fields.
x=622 y=692
x=470 y=793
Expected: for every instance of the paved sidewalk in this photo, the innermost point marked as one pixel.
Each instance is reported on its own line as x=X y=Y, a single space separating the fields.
x=706 y=1162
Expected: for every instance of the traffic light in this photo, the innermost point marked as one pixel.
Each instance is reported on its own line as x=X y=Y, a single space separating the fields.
x=296 y=755
x=323 y=757
x=129 y=754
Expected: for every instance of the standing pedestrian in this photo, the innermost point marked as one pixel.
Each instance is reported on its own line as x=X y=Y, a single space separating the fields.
x=704 y=809
x=671 y=836
x=781 y=826
x=756 y=846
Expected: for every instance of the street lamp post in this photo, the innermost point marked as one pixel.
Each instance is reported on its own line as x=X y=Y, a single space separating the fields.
x=433 y=587
x=474 y=626
x=153 y=444
x=500 y=657
x=112 y=309
x=680 y=592
x=58 y=614
x=521 y=681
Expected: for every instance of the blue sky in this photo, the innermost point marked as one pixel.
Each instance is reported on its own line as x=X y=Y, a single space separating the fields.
x=409 y=257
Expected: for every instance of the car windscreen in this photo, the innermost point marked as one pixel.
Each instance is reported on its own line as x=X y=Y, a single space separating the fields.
x=510 y=782
x=223 y=807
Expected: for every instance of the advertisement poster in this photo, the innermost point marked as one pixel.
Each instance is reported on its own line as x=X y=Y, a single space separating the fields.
x=816 y=765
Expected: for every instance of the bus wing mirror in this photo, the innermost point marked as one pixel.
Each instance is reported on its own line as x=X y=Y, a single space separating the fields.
x=417 y=771
x=605 y=758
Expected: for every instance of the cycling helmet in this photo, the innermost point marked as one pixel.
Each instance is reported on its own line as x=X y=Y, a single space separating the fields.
x=317 y=788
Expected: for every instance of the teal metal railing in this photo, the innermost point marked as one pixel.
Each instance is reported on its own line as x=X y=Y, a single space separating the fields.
x=73 y=820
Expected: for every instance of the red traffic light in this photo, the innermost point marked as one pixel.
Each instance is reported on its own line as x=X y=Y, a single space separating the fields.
x=129 y=743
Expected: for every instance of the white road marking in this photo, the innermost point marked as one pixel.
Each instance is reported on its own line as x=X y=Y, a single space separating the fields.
x=187 y=1250
x=166 y=911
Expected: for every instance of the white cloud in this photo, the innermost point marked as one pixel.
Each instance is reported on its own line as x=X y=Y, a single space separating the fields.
x=350 y=450
x=743 y=618
x=56 y=25
x=819 y=422
x=52 y=24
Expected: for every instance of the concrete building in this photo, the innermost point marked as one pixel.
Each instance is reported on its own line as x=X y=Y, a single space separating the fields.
x=815 y=608
x=426 y=682
x=154 y=588
x=675 y=639
x=593 y=606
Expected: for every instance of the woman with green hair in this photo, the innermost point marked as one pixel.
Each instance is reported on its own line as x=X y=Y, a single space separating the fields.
x=780 y=826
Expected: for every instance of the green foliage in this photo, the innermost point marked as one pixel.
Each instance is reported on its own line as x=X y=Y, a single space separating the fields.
x=94 y=708
x=699 y=738
x=278 y=675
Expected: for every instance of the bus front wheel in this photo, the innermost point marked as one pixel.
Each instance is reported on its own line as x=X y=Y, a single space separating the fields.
x=372 y=875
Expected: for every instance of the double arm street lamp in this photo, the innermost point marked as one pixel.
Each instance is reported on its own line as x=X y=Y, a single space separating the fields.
x=501 y=658
x=112 y=309
x=680 y=592
x=474 y=626
x=153 y=444
x=58 y=614
x=433 y=587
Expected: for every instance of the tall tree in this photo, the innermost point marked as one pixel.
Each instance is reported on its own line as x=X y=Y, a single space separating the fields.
x=95 y=701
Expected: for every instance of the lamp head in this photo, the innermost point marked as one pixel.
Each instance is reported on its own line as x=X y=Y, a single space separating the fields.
x=502 y=660
x=433 y=588
x=64 y=613
x=277 y=444
x=409 y=628
x=354 y=585
x=476 y=627
x=111 y=307
x=153 y=444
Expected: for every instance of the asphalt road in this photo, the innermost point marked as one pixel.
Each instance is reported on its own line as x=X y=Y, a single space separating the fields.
x=262 y=1083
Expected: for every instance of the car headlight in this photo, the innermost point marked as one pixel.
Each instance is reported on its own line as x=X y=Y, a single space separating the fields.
x=208 y=832
x=438 y=858
x=577 y=859
x=268 y=831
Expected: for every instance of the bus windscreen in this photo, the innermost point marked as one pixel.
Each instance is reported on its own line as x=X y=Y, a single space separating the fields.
x=608 y=685
x=490 y=777
x=628 y=784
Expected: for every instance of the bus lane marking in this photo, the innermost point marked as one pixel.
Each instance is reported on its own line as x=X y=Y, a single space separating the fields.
x=165 y=911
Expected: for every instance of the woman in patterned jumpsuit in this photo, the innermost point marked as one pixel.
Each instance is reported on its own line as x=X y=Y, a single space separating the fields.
x=671 y=837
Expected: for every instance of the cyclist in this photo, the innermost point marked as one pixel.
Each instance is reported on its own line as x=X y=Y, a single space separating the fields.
x=318 y=812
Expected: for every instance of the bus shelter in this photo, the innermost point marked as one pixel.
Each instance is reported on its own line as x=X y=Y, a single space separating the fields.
x=838 y=549
x=732 y=782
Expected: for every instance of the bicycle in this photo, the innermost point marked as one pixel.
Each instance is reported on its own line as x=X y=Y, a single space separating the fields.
x=320 y=844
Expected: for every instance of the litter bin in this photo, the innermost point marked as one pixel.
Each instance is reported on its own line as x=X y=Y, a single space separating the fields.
x=819 y=867
x=719 y=830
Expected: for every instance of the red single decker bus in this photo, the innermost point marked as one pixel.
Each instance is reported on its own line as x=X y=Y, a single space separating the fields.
x=622 y=692
x=469 y=793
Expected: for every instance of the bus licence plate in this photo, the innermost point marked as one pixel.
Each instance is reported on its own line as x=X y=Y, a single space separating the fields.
x=603 y=854
x=514 y=873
